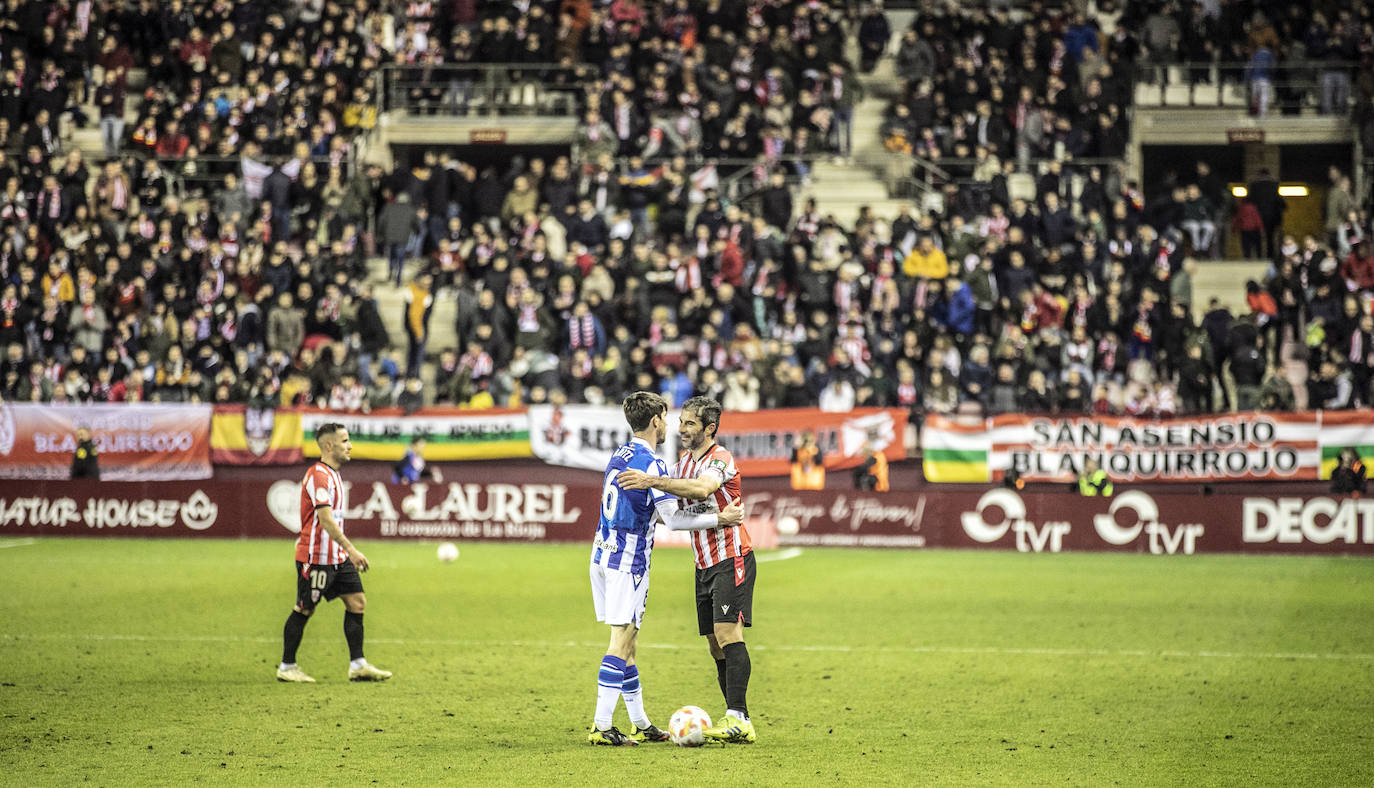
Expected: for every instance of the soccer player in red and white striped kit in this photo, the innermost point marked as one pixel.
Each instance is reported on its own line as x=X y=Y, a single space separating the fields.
x=327 y=563
x=706 y=480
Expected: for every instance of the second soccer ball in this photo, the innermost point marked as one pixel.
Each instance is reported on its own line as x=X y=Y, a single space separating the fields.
x=688 y=725
x=448 y=552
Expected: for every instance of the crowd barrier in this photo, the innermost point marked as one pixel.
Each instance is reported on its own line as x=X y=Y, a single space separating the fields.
x=997 y=518
x=151 y=442
x=174 y=441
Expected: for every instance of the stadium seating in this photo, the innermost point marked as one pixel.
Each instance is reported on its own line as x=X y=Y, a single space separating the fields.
x=231 y=238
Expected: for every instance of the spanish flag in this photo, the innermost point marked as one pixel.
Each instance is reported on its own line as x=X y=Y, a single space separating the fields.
x=255 y=436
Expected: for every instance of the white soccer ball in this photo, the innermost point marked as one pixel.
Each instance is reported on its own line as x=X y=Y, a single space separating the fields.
x=688 y=725
x=448 y=552
x=788 y=525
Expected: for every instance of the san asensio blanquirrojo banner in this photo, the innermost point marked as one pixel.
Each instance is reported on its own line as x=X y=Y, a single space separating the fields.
x=1230 y=447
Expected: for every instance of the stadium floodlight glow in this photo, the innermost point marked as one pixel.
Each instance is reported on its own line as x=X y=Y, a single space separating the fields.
x=1239 y=192
x=1292 y=191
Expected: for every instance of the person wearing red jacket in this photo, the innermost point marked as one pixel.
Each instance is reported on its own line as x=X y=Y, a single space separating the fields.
x=172 y=144
x=1265 y=312
x=1249 y=225
x=1358 y=268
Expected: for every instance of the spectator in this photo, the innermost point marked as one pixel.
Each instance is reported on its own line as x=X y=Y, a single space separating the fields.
x=874 y=35
x=1248 y=223
x=1199 y=220
x=412 y=467
x=1263 y=193
x=394 y=229
x=419 y=306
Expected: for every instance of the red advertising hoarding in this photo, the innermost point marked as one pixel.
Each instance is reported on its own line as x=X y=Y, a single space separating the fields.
x=134 y=441
x=998 y=518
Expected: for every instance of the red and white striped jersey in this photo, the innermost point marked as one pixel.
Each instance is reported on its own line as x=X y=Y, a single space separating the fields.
x=322 y=486
x=713 y=545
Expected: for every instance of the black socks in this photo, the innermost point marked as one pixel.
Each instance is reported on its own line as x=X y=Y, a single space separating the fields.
x=736 y=676
x=720 y=676
x=291 y=636
x=353 y=633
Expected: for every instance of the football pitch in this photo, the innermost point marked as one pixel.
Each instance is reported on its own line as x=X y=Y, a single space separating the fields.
x=137 y=662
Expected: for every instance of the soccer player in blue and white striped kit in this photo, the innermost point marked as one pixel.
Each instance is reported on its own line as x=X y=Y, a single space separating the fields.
x=620 y=565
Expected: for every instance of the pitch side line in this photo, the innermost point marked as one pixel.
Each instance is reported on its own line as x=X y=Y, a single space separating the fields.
x=781 y=555
x=985 y=650
x=16 y=543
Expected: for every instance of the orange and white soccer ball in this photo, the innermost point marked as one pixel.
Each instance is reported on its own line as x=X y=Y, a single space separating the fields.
x=688 y=726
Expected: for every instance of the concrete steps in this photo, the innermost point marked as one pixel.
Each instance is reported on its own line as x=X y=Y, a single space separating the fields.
x=391 y=304
x=1224 y=280
x=842 y=188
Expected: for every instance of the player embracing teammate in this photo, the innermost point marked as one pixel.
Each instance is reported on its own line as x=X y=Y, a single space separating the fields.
x=620 y=561
x=707 y=481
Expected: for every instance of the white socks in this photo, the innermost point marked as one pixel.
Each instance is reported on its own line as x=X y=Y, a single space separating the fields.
x=608 y=682
x=357 y=663
x=633 y=694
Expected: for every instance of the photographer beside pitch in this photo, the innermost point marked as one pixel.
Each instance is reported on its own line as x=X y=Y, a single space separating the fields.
x=327 y=563
x=707 y=481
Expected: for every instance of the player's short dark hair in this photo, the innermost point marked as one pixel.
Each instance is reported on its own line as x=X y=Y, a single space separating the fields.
x=707 y=409
x=326 y=430
x=641 y=407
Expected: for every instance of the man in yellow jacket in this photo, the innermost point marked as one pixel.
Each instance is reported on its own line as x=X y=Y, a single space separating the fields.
x=926 y=261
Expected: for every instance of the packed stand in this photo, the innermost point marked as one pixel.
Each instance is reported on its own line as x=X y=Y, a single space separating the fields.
x=986 y=92
x=583 y=277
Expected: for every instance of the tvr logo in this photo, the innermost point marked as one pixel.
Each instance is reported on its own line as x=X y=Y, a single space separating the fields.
x=1030 y=538
x=1161 y=538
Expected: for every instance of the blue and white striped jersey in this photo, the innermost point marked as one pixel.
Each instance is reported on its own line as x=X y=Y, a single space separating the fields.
x=625 y=532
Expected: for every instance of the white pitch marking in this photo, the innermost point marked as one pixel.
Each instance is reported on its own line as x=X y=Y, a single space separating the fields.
x=985 y=650
x=781 y=555
x=17 y=543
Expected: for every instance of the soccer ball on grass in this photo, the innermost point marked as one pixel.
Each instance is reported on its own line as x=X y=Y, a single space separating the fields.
x=448 y=552
x=688 y=725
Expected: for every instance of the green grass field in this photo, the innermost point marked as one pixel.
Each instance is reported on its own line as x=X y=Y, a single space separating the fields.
x=133 y=662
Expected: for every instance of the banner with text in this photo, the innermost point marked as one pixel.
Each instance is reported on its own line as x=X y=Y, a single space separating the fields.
x=762 y=441
x=993 y=519
x=255 y=436
x=266 y=509
x=449 y=433
x=583 y=436
x=146 y=442
x=1232 y=447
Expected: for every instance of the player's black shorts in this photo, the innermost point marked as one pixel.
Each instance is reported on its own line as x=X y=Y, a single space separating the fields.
x=725 y=593
x=327 y=581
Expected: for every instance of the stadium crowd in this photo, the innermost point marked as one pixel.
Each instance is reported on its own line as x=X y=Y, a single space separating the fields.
x=620 y=266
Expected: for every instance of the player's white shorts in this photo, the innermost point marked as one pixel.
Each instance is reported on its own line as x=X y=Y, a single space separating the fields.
x=619 y=597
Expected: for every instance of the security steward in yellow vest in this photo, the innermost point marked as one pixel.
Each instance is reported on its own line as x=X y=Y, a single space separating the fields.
x=1093 y=480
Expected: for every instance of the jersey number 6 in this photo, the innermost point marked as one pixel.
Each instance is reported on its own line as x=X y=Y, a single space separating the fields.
x=610 y=496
